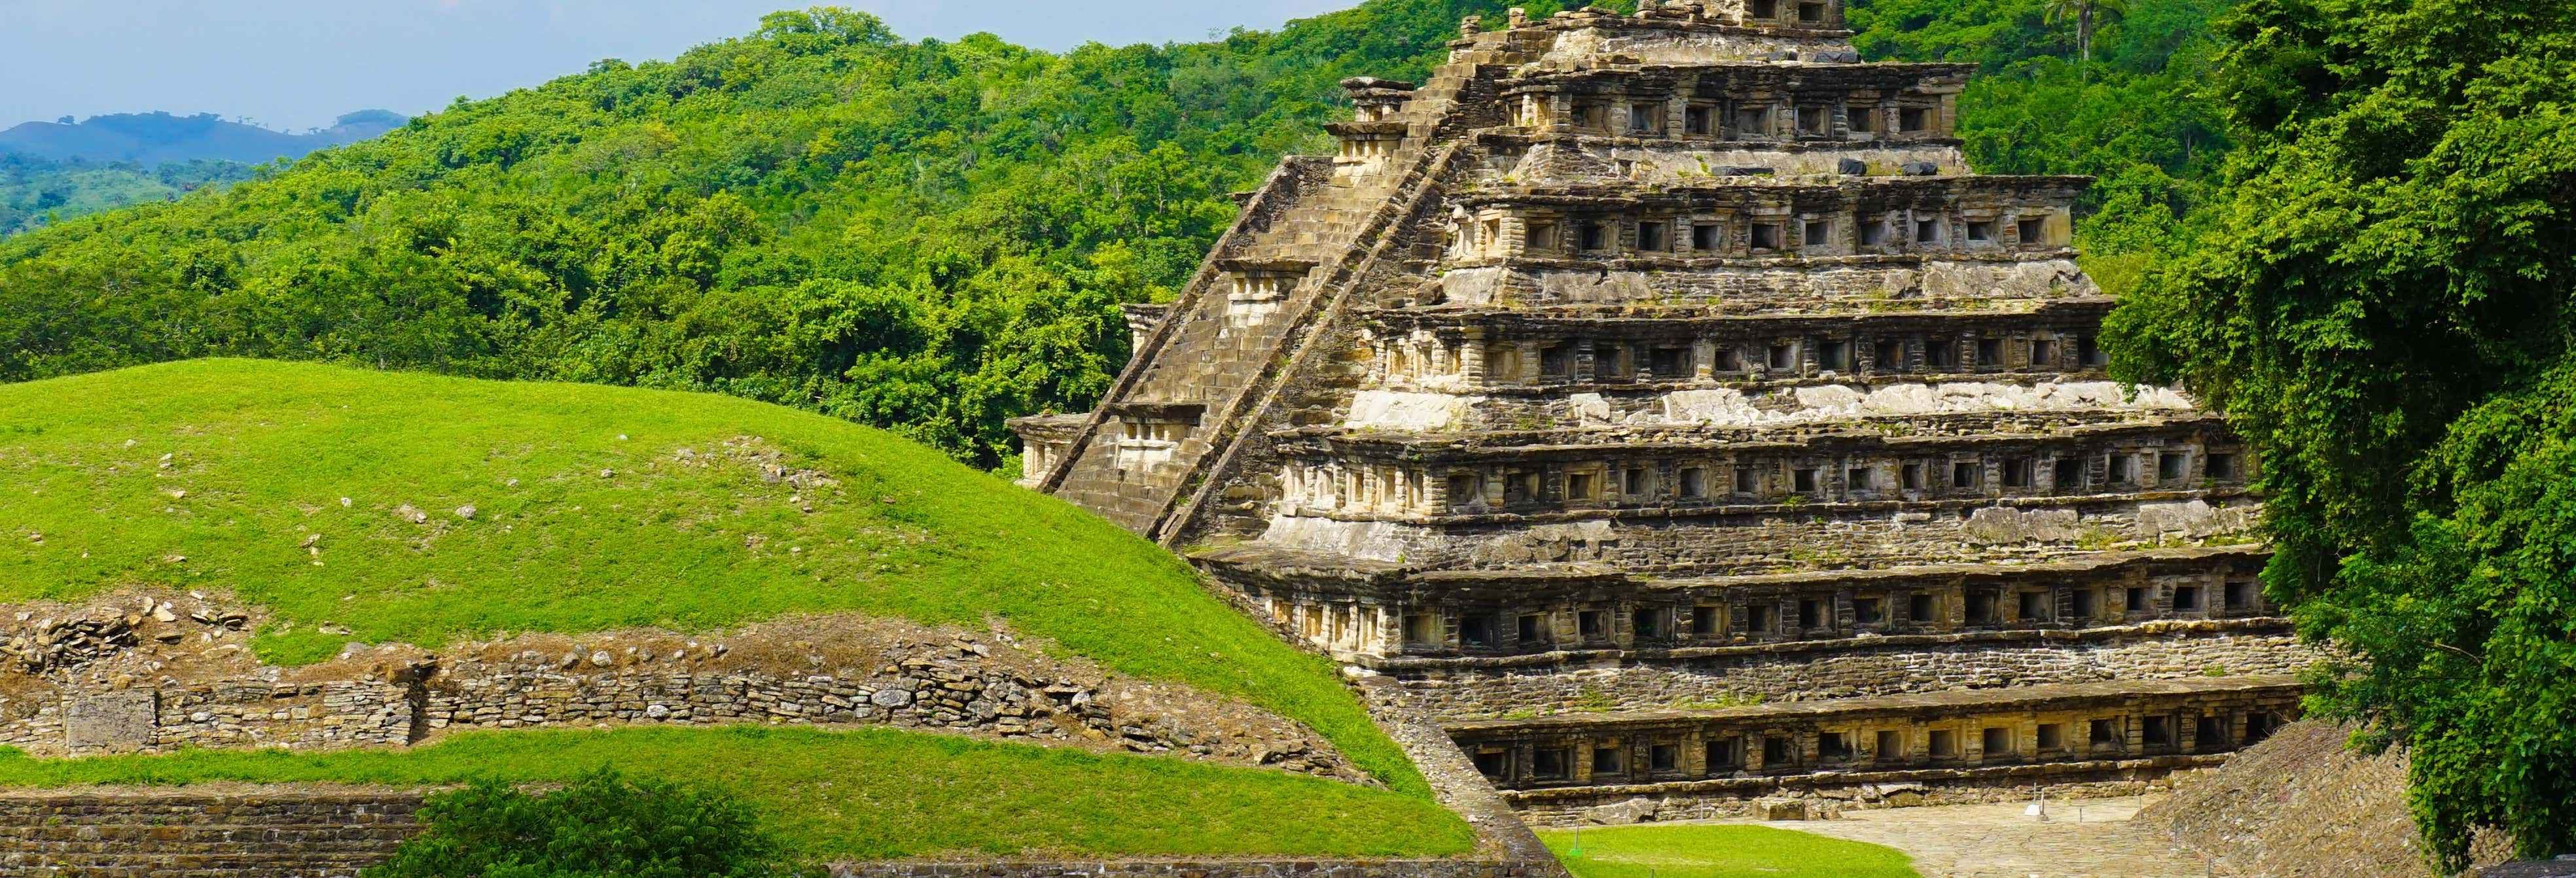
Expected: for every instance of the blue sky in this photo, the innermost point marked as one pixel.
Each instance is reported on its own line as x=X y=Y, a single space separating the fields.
x=296 y=64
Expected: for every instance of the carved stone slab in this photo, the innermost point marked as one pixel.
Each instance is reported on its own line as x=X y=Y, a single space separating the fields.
x=112 y=722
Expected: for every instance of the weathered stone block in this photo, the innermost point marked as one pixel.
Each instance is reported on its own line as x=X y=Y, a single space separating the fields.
x=112 y=721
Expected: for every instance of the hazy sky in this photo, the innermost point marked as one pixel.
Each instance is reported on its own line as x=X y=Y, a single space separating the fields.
x=296 y=64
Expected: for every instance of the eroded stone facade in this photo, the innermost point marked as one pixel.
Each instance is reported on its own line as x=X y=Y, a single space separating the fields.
x=161 y=671
x=1678 y=361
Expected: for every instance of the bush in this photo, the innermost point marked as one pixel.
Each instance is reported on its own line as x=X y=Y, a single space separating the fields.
x=602 y=825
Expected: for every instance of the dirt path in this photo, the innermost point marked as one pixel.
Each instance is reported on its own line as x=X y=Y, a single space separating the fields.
x=2000 y=841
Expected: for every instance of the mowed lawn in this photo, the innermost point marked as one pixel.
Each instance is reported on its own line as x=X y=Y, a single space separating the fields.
x=384 y=506
x=1722 y=851
x=879 y=793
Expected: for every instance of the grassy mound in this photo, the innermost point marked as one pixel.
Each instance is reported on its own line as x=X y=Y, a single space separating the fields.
x=880 y=794
x=384 y=507
x=1722 y=851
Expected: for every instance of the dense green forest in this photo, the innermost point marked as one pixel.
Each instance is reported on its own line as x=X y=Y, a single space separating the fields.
x=927 y=236
x=2381 y=300
x=35 y=191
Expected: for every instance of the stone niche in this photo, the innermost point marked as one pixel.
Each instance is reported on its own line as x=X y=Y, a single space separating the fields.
x=1151 y=433
x=1256 y=289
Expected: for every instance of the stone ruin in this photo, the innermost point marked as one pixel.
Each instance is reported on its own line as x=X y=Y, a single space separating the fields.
x=158 y=671
x=1662 y=404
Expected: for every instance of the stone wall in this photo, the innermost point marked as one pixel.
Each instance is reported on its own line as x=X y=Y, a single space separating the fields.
x=1857 y=668
x=337 y=833
x=188 y=834
x=952 y=695
x=151 y=690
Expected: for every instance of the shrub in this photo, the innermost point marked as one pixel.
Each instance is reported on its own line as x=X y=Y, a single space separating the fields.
x=602 y=825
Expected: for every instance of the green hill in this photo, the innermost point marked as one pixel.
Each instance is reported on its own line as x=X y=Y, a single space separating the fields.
x=591 y=508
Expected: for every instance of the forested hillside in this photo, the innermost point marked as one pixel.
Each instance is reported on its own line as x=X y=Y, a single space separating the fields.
x=927 y=236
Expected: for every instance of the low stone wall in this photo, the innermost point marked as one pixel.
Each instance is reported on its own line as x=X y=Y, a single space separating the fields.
x=931 y=694
x=140 y=685
x=183 y=834
x=1462 y=690
x=336 y=833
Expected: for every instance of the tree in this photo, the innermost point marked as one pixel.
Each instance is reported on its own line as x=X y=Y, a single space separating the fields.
x=2086 y=14
x=2382 y=304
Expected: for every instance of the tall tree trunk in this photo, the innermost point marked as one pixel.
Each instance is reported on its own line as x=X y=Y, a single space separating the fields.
x=2084 y=43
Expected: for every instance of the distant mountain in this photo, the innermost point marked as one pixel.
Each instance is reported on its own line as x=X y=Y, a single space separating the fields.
x=153 y=138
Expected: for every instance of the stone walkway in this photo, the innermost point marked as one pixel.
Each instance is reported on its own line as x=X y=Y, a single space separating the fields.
x=2000 y=841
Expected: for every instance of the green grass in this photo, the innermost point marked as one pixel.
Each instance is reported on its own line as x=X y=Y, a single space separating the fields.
x=212 y=474
x=1729 y=851
x=878 y=794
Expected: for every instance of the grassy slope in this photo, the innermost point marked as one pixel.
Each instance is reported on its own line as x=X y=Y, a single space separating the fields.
x=1699 y=851
x=881 y=794
x=604 y=527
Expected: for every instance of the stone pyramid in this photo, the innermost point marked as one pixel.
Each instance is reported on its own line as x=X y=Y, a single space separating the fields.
x=1660 y=403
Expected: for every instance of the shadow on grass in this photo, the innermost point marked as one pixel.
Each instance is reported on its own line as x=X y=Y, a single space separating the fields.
x=1721 y=851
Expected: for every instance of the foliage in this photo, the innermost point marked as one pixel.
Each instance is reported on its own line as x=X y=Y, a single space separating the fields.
x=873 y=793
x=35 y=191
x=929 y=237
x=593 y=508
x=2133 y=117
x=1713 y=851
x=2381 y=303
x=602 y=824
x=2086 y=14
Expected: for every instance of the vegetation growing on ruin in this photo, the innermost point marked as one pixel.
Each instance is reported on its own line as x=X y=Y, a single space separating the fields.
x=380 y=507
x=874 y=794
x=1712 y=851
x=2382 y=303
x=929 y=237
